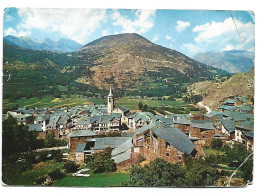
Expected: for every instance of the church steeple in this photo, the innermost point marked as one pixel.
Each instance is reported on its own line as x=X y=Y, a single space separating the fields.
x=110 y=101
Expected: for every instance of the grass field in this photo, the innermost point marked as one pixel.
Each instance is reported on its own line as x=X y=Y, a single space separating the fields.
x=28 y=177
x=74 y=100
x=95 y=180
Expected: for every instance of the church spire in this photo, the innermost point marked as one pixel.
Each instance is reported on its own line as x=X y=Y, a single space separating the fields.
x=110 y=91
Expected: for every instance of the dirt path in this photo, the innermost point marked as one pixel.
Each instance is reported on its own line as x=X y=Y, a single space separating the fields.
x=206 y=107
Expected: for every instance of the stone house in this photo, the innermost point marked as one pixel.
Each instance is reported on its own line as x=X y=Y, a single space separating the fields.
x=203 y=130
x=79 y=136
x=249 y=140
x=241 y=129
x=124 y=112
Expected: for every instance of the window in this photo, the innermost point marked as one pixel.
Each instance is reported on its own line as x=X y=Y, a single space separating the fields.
x=167 y=145
x=167 y=154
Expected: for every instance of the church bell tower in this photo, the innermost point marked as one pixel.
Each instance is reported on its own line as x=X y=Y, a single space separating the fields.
x=110 y=101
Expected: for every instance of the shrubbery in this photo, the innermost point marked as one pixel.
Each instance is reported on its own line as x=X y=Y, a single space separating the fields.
x=56 y=174
x=101 y=162
x=216 y=144
x=70 y=167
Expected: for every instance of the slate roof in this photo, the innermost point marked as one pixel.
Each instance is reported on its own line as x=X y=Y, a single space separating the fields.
x=229 y=125
x=82 y=133
x=127 y=134
x=35 y=127
x=225 y=107
x=250 y=134
x=122 y=157
x=81 y=147
x=147 y=127
x=246 y=125
x=182 y=120
x=230 y=101
x=202 y=124
x=123 y=147
x=112 y=142
x=176 y=138
x=124 y=109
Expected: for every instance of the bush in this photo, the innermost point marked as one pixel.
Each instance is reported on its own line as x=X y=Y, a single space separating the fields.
x=40 y=180
x=23 y=166
x=140 y=158
x=101 y=162
x=56 y=174
x=57 y=155
x=43 y=156
x=216 y=144
x=70 y=167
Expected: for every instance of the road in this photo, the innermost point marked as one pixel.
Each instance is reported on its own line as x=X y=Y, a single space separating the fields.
x=206 y=107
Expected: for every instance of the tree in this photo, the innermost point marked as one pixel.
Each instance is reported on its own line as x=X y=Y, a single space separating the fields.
x=157 y=173
x=17 y=138
x=140 y=105
x=101 y=162
x=216 y=144
x=49 y=140
x=145 y=108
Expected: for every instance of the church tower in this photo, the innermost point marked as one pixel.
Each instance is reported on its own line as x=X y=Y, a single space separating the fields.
x=110 y=101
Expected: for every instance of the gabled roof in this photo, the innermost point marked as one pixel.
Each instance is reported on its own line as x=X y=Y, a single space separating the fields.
x=147 y=127
x=122 y=157
x=230 y=101
x=123 y=147
x=246 y=125
x=225 y=107
x=81 y=147
x=127 y=134
x=176 y=138
x=35 y=127
x=250 y=134
x=229 y=124
x=202 y=124
x=112 y=142
x=182 y=120
x=82 y=133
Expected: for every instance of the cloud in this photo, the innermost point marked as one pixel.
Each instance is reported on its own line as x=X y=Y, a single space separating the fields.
x=211 y=32
x=11 y=31
x=228 y=47
x=105 y=32
x=192 y=48
x=181 y=26
x=143 y=22
x=76 y=24
x=168 y=37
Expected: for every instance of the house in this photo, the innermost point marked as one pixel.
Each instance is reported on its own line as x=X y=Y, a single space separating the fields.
x=203 y=130
x=228 y=128
x=124 y=155
x=124 y=112
x=168 y=143
x=249 y=140
x=142 y=119
x=229 y=102
x=241 y=129
x=183 y=123
x=106 y=123
x=79 y=136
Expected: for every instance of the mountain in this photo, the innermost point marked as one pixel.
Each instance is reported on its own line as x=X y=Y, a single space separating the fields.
x=233 y=61
x=130 y=61
x=214 y=93
x=63 y=45
x=133 y=64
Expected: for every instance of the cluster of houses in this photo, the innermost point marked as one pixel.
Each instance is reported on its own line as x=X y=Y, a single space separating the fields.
x=142 y=134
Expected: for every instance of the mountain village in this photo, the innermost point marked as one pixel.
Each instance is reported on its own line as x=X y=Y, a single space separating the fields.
x=141 y=134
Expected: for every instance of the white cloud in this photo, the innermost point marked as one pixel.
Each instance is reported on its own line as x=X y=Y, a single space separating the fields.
x=105 y=32
x=168 y=37
x=228 y=47
x=76 y=24
x=209 y=32
x=143 y=22
x=192 y=48
x=11 y=31
x=181 y=25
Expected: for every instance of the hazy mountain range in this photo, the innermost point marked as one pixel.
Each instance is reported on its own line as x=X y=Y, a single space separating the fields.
x=63 y=45
x=233 y=61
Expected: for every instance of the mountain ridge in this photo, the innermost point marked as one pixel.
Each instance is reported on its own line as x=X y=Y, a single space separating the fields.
x=233 y=61
x=62 y=45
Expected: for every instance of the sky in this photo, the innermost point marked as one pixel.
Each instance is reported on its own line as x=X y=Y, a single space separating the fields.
x=187 y=31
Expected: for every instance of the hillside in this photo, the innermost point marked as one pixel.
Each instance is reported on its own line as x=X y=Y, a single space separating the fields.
x=214 y=94
x=233 y=61
x=63 y=45
x=130 y=62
